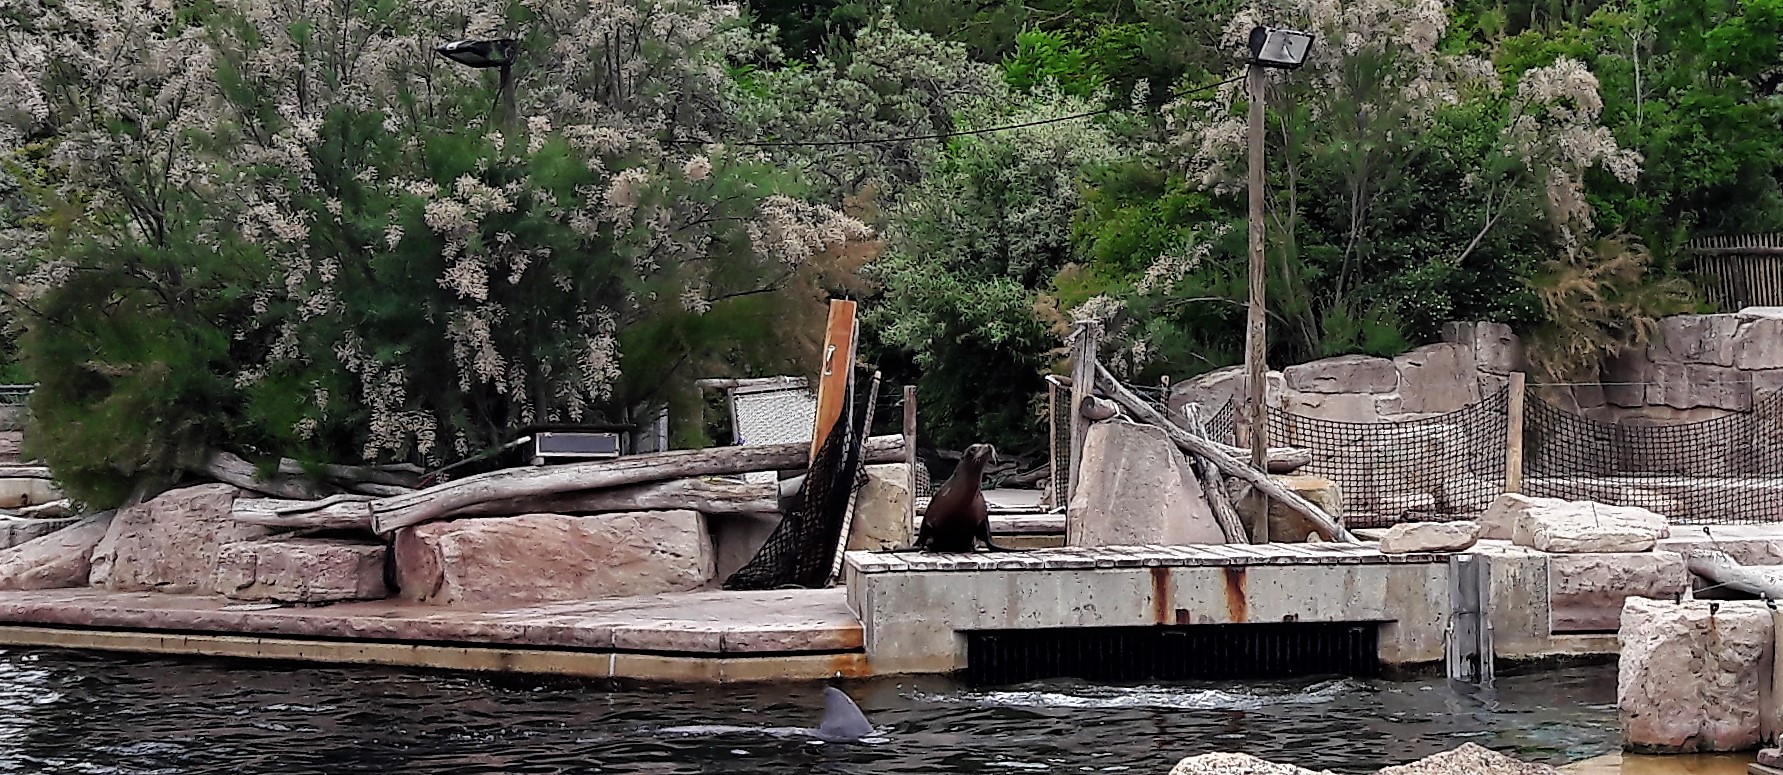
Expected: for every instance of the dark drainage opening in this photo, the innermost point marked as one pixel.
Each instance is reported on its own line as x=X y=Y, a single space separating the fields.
x=1197 y=652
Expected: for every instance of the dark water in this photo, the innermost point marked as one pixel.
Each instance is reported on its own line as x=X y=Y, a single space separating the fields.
x=74 y=713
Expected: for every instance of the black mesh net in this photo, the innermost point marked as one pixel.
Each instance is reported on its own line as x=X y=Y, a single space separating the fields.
x=1727 y=470
x=1222 y=425
x=1434 y=469
x=802 y=550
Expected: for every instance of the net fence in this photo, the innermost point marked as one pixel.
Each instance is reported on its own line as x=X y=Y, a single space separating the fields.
x=1434 y=469
x=1727 y=470
x=801 y=552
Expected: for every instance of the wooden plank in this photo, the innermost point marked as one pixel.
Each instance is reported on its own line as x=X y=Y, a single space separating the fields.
x=839 y=339
x=1513 y=450
x=910 y=452
x=1085 y=345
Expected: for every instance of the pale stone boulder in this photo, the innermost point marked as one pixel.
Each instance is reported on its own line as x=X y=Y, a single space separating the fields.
x=170 y=543
x=1690 y=680
x=1703 y=339
x=1409 y=537
x=1586 y=592
x=1759 y=342
x=18 y=530
x=1571 y=526
x=59 y=560
x=1237 y=764
x=1136 y=487
x=1341 y=407
x=1344 y=374
x=1436 y=378
x=1496 y=349
x=1470 y=759
x=548 y=557
x=301 y=570
x=1285 y=524
x=882 y=510
x=1692 y=386
x=20 y=492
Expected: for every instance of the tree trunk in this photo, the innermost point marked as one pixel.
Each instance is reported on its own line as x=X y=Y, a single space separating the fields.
x=1229 y=465
x=229 y=469
x=707 y=496
x=389 y=514
x=351 y=475
x=340 y=512
x=1716 y=566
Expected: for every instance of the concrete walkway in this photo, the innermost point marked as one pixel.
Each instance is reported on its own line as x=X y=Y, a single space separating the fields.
x=795 y=634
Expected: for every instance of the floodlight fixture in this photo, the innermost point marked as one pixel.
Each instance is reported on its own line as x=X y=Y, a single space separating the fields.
x=1279 y=48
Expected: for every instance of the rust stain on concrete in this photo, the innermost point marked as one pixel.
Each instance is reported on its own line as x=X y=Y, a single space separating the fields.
x=1237 y=607
x=1160 y=594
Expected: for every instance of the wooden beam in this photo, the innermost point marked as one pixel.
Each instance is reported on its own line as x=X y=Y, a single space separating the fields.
x=837 y=367
x=1513 y=439
x=733 y=384
x=1086 y=336
x=1328 y=528
x=910 y=455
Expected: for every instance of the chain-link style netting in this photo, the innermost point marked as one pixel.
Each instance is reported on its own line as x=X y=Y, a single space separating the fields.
x=801 y=550
x=773 y=414
x=1434 y=469
x=1222 y=425
x=1723 y=471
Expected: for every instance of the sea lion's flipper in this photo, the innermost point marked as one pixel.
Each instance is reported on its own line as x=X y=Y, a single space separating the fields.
x=842 y=719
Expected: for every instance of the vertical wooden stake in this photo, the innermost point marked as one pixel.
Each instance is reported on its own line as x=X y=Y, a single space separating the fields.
x=1513 y=438
x=910 y=455
x=837 y=366
x=1255 y=333
x=1085 y=343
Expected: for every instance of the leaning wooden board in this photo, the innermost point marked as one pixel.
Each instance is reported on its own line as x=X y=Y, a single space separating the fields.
x=837 y=365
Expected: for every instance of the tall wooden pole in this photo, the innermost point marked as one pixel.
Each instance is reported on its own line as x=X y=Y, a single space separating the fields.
x=1513 y=450
x=1255 y=340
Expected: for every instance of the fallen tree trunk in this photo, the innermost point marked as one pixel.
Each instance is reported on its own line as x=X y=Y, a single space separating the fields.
x=390 y=514
x=707 y=496
x=25 y=472
x=1227 y=463
x=227 y=468
x=351 y=475
x=340 y=512
x=1725 y=571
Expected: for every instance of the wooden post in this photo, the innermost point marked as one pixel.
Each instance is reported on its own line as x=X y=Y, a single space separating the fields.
x=1469 y=648
x=910 y=454
x=1255 y=333
x=839 y=338
x=1513 y=438
x=1085 y=341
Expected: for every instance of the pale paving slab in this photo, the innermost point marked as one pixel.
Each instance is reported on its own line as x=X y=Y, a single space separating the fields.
x=693 y=622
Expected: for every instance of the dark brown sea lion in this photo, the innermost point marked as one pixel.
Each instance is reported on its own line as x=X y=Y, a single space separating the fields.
x=957 y=518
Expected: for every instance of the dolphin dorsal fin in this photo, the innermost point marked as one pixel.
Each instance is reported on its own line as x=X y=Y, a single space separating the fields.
x=842 y=719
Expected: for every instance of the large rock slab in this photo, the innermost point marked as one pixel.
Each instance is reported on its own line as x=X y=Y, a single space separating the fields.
x=301 y=570
x=1690 y=386
x=1409 y=537
x=1496 y=349
x=1470 y=759
x=1344 y=374
x=170 y=543
x=1237 y=764
x=1436 y=378
x=1136 y=487
x=56 y=561
x=882 y=510
x=18 y=530
x=547 y=557
x=1690 y=678
x=21 y=492
x=1701 y=339
x=1759 y=342
x=1555 y=525
x=1285 y=524
x=1341 y=407
x=1587 y=591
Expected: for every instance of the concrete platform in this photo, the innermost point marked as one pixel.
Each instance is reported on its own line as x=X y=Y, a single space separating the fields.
x=711 y=636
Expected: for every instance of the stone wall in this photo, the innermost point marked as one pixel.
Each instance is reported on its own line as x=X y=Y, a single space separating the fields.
x=1474 y=360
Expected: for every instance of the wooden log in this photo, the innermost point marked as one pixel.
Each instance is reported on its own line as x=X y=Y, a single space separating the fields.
x=1098 y=409
x=910 y=463
x=349 y=475
x=1086 y=339
x=389 y=514
x=707 y=496
x=25 y=472
x=1513 y=451
x=1212 y=485
x=378 y=490
x=1725 y=571
x=340 y=512
x=228 y=468
x=1327 y=527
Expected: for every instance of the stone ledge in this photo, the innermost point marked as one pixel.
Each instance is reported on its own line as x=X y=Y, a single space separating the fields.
x=700 y=622
x=1087 y=558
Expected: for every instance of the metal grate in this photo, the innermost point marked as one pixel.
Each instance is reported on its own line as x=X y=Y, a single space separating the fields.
x=1212 y=652
x=773 y=414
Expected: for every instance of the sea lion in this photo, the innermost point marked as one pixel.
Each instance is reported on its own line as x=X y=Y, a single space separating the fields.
x=957 y=517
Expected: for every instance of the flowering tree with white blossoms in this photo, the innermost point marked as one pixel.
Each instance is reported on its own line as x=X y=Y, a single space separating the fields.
x=293 y=229
x=1406 y=184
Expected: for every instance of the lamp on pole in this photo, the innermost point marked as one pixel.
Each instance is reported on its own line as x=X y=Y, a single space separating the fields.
x=1279 y=49
x=485 y=54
